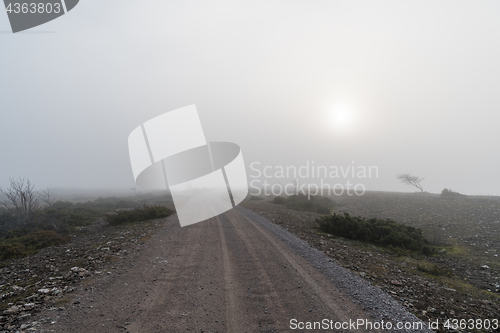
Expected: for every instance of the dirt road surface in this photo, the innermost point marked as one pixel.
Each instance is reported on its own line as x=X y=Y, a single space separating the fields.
x=237 y=272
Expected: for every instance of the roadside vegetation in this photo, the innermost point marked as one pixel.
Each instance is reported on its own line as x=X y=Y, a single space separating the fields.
x=20 y=246
x=138 y=214
x=308 y=203
x=460 y=281
x=434 y=270
x=449 y=193
x=386 y=233
x=30 y=220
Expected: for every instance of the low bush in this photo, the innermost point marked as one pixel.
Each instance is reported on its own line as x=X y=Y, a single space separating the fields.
x=434 y=270
x=19 y=246
x=12 y=250
x=63 y=219
x=50 y=225
x=449 y=193
x=387 y=233
x=42 y=238
x=138 y=214
x=309 y=203
x=279 y=200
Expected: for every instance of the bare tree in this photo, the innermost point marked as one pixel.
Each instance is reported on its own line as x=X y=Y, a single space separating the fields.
x=47 y=197
x=22 y=200
x=411 y=180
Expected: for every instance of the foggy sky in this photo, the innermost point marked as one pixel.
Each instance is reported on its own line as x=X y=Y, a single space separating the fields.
x=421 y=79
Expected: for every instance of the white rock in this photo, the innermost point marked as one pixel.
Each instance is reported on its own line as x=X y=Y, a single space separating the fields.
x=29 y=306
x=55 y=291
x=13 y=309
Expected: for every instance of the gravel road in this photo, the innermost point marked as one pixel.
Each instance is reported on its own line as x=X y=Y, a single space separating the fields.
x=237 y=272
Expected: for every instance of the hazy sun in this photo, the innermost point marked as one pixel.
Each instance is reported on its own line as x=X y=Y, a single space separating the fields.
x=342 y=118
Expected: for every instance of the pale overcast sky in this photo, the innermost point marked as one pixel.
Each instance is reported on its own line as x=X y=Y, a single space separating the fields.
x=407 y=86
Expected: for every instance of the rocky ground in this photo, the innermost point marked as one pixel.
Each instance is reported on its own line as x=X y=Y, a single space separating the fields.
x=48 y=279
x=468 y=286
x=236 y=272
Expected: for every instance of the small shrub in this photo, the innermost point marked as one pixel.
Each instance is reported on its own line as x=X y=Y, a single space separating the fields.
x=279 y=200
x=42 y=238
x=12 y=250
x=29 y=244
x=438 y=239
x=387 y=233
x=434 y=270
x=449 y=193
x=309 y=203
x=322 y=210
x=138 y=214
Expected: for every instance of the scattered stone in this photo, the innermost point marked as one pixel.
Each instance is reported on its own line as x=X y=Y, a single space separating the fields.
x=12 y=310
x=17 y=288
x=29 y=306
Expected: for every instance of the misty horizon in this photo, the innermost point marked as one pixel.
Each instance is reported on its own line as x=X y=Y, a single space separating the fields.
x=406 y=88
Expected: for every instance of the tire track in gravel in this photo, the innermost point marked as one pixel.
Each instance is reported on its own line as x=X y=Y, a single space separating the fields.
x=230 y=297
x=154 y=306
x=256 y=255
x=324 y=291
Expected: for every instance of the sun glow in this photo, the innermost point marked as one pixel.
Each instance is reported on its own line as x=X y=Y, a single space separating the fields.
x=342 y=119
